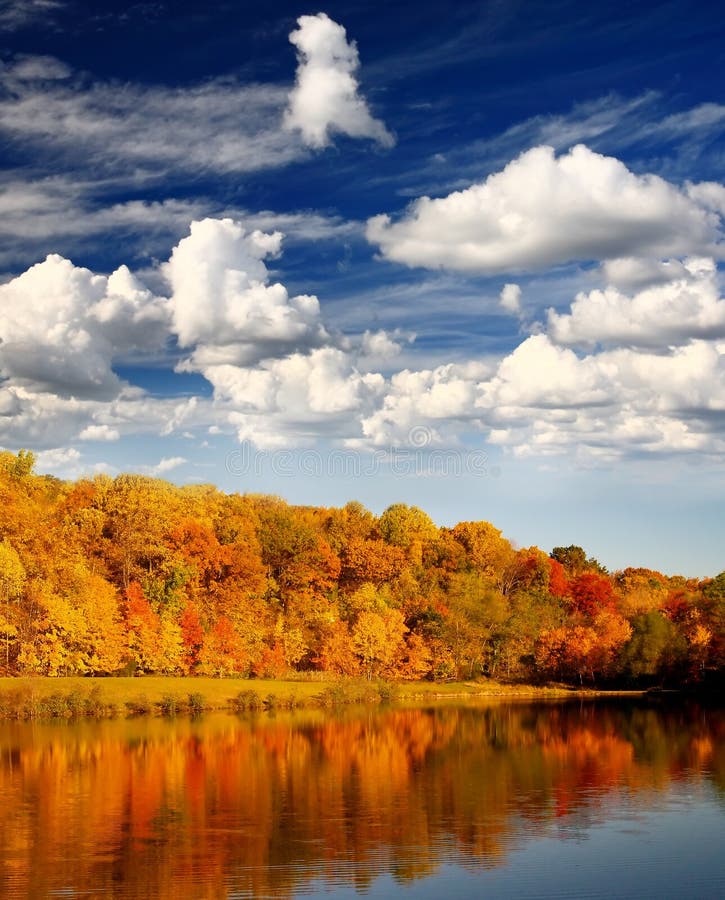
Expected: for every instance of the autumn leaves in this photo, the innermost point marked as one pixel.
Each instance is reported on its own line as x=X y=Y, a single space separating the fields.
x=134 y=575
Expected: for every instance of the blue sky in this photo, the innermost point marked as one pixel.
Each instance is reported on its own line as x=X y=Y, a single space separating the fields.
x=467 y=257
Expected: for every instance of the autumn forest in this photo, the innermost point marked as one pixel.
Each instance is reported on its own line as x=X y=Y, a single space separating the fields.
x=133 y=575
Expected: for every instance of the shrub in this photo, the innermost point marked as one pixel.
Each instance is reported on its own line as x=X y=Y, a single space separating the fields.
x=139 y=706
x=169 y=705
x=246 y=700
x=197 y=703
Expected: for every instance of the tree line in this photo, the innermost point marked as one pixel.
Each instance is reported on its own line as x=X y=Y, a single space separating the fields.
x=133 y=575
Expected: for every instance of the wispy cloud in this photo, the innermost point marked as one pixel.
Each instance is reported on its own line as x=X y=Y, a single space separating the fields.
x=142 y=133
x=610 y=124
x=60 y=214
x=17 y=14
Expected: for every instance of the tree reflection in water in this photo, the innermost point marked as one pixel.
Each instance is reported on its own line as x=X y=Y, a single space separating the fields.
x=266 y=805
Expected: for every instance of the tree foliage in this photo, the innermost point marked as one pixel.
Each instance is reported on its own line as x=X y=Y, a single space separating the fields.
x=133 y=574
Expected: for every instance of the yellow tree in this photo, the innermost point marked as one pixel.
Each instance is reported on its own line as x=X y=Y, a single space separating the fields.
x=336 y=651
x=409 y=528
x=377 y=638
x=59 y=635
x=98 y=603
x=138 y=514
x=487 y=550
x=12 y=582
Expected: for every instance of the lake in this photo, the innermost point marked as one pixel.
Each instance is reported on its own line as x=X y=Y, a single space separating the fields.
x=575 y=799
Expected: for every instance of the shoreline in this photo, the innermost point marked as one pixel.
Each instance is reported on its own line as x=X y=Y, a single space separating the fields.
x=73 y=697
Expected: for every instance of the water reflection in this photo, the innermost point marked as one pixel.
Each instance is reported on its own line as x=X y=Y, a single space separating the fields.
x=270 y=807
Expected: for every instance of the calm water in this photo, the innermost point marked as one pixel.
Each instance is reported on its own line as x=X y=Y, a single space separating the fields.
x=566 y=800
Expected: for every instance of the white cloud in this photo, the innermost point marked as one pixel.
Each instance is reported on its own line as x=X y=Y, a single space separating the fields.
x=167 y=464
x=299 y=397
x=57 y=458
x=46 y=333
x=647 y=375
x=141 y=132
x=607 y=124
x=709 y=194
x=380 y=347
x=16 y=14
x=611 y=119
x=35 y=68
x=99 y=433
x=510 y=299
x=62 y=326
x=545 y=400
x=40 y=419
x=440 y=399
x=276 y=372
x=541 y=210
x=631 y=272
x=539 y=374
x=61 y=214
x=702 y=118
x=222 y=304
x=658 y=316
x=325 y=98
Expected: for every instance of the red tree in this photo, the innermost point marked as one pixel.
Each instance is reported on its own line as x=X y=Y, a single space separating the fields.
x=590 y=593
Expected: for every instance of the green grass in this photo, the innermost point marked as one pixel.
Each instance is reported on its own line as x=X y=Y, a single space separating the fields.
x=28 y=697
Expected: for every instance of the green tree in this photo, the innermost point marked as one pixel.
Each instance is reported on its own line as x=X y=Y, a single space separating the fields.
x=476 y=610
x=655 y=650
x=573 y=558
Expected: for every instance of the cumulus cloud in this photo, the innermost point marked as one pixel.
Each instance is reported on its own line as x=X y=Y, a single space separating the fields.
x=276 y=371
x=379 y=347
x=672 y=313
x=45 y=332
x=647 y=376
x=61 y=327
x=99 y=433
x=510 y=299
x=167 y=464
x=56 y=458
x=223 y=305
x=632 y=273
x=546 y=400
x=43 y=419
x=543 y=210
x=709 y=194
x=539 y=374
x=439 y=399
x=622 y=371
x=326 y=99
x=301 y=395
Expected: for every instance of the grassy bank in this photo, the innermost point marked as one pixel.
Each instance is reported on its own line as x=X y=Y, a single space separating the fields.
x=74 y=697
